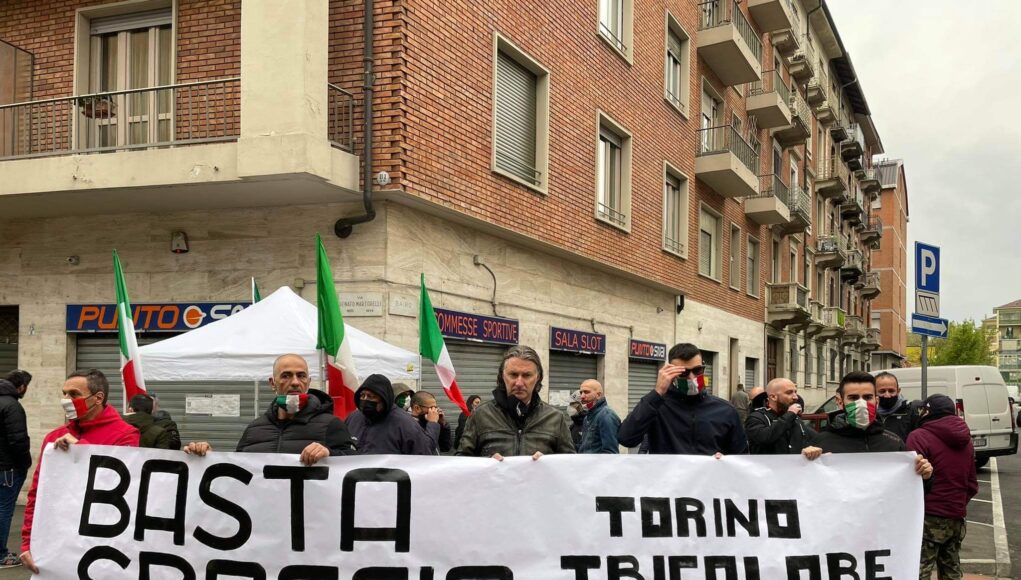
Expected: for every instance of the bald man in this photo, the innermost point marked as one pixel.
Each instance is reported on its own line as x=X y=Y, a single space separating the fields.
x=599 y=431
x=298 y=420
x=776 y=429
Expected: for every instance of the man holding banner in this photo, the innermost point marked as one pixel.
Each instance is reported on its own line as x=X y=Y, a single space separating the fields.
x=90 y=421
x=517 y=421
x=297 y=421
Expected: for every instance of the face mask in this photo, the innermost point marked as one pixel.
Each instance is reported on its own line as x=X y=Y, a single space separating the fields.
x=292 y=403
x=75 y=408
x=368 y=408
x=691 y=385
x=402 y=402
x=888 y=403
x=572 y=411
x=860 y=413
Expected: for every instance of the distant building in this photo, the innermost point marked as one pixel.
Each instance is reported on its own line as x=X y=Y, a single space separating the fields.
x=1008 y=340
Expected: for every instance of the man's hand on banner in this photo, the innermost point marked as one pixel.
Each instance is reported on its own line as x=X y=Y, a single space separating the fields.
x=28 y=562
x=535 y=456
x=717 y=455
x=313 y=453
x=811 y=453
x=65 y=442
x=199 y=448
x=923 y=467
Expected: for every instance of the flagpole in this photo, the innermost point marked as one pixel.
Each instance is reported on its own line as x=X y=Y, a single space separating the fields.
x=322 y=372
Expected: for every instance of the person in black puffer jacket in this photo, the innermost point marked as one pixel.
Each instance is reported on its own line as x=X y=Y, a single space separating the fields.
x=15 y=454
x=299 y=420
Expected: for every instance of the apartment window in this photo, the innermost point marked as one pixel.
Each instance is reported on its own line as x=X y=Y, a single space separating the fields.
x=675 y=212
x=775 y=263
x=615 y=24
x=794 y=262
x=677 y=68
x=807 y=265
x=809 y=379
x=874 y=320
x=753 y=266
x=793 y=342
x=130 y=51
x=735 y=257
x=833 y=365
x=712 y=109
x=521 y=123
x=821 y=365
x=820 y=210
x=613 y=174
x=709 y=244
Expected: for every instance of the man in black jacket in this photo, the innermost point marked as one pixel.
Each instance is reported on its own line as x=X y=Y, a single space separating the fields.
x=299 y=420
x=854 y=429
x=15 y=455
x=776 y=429
x=430 y=417
x=382 y=428
x=679 y=417
x=893 y=410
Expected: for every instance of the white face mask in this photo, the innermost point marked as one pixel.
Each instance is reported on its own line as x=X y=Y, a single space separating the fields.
x=75 y=408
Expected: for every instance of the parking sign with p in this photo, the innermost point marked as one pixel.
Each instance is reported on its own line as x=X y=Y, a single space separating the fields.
x=926 y=268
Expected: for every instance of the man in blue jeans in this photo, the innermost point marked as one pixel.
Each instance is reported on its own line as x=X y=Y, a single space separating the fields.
x=15 y=455
x=599 y=432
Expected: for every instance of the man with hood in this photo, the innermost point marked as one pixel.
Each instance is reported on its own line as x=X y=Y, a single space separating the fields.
x=15 y=454
x=90 y=421
x=679 y=417
x=945 y=439
x=517 y=421
x=382 y=428
x=776 y=429
x=152 y=436
x=893 y=410
x=853 y=427
x=299 y=420
x=576 y=413
x=601 y=422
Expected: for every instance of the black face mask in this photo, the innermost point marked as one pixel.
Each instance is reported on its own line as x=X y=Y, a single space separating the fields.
x=888 y=402
x=368 y=408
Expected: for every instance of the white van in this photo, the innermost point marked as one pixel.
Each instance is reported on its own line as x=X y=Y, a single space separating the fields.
x=981 y=398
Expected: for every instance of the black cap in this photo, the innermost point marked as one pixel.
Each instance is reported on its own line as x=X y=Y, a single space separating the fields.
x=939 y=406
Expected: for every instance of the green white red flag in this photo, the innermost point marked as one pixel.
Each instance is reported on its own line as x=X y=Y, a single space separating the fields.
x=131 y=361
x=341 y=376
x=432 y=347
x=256 y=296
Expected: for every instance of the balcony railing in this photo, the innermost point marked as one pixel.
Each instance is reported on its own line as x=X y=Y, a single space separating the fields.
x=875 y=225
x=799 y=108
x=801 y=205
x=723 y=12
x=833 y=316
x=790 y=294
x=771 y=82
x=165 y=116
x=725 y=138
x=773 y=186
x=340 y=118
x=853 y=325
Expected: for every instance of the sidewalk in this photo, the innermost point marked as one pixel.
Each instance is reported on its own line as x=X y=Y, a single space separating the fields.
x=14 y=543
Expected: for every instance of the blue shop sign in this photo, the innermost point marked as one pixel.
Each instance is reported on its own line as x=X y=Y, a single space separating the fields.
x=468 y=326
x=568 y=340
x=643 y=350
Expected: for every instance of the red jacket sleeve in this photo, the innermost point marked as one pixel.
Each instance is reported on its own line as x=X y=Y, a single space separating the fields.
x=26 y=528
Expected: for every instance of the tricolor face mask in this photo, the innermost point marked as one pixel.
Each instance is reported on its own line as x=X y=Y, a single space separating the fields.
x=75 y=408
x=860 y=413
x=292 y=403
x=692 y=384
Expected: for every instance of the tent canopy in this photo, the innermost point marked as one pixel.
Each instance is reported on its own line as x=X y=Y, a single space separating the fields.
x=242 y=347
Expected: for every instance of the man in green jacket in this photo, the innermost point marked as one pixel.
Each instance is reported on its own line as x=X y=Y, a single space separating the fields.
x=140 y=417
x=516 y=421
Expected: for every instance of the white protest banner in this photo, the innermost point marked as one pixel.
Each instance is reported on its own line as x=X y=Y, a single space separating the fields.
x=116 y=512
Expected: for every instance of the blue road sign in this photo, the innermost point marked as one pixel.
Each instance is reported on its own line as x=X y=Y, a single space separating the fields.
x=929 y=326
x=926 y=268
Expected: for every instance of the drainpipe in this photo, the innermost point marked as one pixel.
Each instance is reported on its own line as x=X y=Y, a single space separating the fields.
x=345 y=226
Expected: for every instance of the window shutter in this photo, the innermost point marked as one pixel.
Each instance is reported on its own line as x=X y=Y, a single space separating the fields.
x=515 y=119
x=705 y=257
x=674 y=45
x=132 y=21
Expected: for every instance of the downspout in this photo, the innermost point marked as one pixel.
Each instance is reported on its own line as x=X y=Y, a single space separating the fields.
x=345 y=226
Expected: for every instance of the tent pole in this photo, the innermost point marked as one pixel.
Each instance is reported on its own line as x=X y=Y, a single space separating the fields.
x=322 y=373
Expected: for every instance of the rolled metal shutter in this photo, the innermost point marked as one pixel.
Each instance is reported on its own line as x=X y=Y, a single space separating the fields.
x=476 y=365
x=750 y=373
x=103 y=353
x=8 y=357
x=709 y=360
x=641 y=379
x=568 y=370
x=515 y=118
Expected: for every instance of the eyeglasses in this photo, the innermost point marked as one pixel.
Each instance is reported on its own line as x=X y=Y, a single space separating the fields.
x=699 y=370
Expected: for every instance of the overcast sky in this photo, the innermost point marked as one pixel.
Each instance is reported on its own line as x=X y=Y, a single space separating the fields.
x=943 y=81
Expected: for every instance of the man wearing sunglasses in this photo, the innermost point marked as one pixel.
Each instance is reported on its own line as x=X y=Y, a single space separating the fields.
x=679 y=417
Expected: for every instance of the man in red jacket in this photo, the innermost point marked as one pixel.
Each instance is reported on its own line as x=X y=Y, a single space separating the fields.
x=944 y=438
x=90 y=421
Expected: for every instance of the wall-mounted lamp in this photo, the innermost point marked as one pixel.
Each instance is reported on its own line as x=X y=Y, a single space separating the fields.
x=179 y=242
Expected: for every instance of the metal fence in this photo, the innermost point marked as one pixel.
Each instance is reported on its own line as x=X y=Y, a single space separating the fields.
x=723 y=12
x=771 y=81
x=340 y=117
x=799 y=108
x=832 y=168
x=725 y=138
x=827 y=244
x=772 y=186
x=164 y=116
x=801 y=204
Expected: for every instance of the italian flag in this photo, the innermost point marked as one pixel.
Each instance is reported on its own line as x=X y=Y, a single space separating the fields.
x=341 y=376
x=256 y=296
x=432 y=347
x=860 y=414
x=131 y=361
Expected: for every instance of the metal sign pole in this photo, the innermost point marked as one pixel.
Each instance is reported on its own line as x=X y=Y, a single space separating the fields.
x=925 y=367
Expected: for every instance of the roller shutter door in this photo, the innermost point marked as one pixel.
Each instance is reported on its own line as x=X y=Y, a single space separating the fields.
x=641 y=379
x=476 y=365
x=750 y=371
x=8 y=357
x=567 y=371
x=709 y=360
x=222 y=432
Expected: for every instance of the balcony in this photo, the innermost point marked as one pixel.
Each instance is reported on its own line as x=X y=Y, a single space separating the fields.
x=770 y=206
x=727 y=163
x=800 y=205
x=728 y=43
x=769 y=100
x=815 y=323
x=785 y=42
x=831 y=178
x=826 y=113
x=871 y=288
x=854 y=330
x=1010 y=345
x=788 y=304
x=829 y=252
x=853 y=266
x=802 y=64
x=800 y=127
x=833 y=320
x=853 y=147
x=851 y=210
x=869 y=180
x=873 y=232
x=771 y=15
x=870 y=342
x=815 y=92
x=838 y=132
